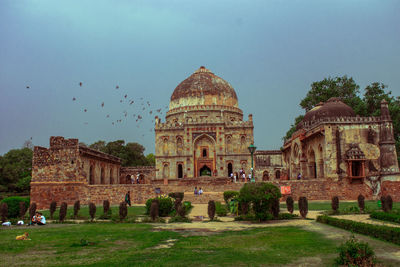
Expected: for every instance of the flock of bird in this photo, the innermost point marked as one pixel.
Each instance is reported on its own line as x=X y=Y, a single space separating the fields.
x=145 y=108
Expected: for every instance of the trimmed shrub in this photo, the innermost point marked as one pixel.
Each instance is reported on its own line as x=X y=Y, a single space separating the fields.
x=77 y=207
x=92 y=210
x=290 y=204
x=13 y=205
x=22 y=209
x=63 y=211
x=385 y=216
x=228 y=195
x=32 y=210
x=244 y=208
x=188 y=207
x=220 y=209
x=275 y=208
x=261 y=197
x=4 y=211
x=177 y=204
x=355 y=253
x=106 y=207
x=287 y=216
x=386 y=233
x=154 y=208
x=335 y=204
x=179 y=219
x=389 y=203
x=165 y=206
x=176 y=195
x=211 y=209
x=123 y=210
x=303 y=206
x=53 y=207
x=383 y=203
x=361 y=202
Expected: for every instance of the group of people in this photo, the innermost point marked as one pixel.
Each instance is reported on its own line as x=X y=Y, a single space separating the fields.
x=198 y=192
x=38 y=219
x=133 y=178
x=241 y=176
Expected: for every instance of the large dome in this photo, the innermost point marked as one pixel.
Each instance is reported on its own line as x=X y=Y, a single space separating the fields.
x=203 y=88
x=334 y=107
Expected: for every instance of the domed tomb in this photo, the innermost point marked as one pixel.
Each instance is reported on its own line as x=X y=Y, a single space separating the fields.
x=203 y=88
x=332 y=108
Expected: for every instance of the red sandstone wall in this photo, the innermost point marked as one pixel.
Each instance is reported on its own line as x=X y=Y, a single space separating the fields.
x=44 y=193
x=391 y=188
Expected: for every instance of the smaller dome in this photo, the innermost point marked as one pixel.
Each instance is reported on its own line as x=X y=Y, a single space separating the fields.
x=332 y=108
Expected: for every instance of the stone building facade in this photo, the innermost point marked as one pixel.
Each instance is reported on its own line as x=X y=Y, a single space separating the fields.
x=331 y=142
x=204 y=133
x=204 y=138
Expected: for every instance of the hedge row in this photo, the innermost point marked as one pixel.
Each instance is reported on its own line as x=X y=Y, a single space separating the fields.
x=386 y=233
x=384 y=216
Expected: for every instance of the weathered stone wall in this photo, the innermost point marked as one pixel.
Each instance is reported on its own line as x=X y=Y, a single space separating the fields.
x=391 y=188
x=146 y=174
x=325 y=189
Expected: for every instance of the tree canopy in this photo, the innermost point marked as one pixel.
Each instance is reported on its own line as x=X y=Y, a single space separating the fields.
x=346 y=88
x=131 y=154
x=15 y=170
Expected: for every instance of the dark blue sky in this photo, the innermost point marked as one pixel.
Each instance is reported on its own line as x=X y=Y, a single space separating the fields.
x=270 y=52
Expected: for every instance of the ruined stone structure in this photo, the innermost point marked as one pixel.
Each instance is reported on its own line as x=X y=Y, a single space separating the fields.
x=332 y=143
x=204 y=139
x=204 y=133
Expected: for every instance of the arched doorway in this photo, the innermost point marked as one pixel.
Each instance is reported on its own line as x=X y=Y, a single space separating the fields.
x=312 y=165
x=102 y=176
x=91 y=175
x=180 y=171
x=204 y=155
x=265 y=176
x=230 y=169
x=205 y=171
x=278 y=174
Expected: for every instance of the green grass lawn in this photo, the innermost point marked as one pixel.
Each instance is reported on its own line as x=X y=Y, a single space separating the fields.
x=370 y=205
x=134 y=244
x=84 y=212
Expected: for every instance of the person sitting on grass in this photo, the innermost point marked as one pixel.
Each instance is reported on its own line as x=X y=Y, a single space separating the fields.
x=38 y=219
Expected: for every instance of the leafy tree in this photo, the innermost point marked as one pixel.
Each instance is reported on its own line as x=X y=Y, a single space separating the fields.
x=131 y=154
x=321 y=91
x=99 y=145
x=151 y=159
x=16 y=165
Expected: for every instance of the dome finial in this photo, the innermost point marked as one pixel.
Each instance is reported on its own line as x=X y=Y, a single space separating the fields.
x=202 y=69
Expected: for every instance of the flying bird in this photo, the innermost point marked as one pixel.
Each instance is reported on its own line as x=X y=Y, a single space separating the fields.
x=80 y=84
x=27 y=87
x=73 y=99
x=108 y=116
x=85 y=110
x=131 y=102
x=125 y=96
x=117 y=87
x=102 y=104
